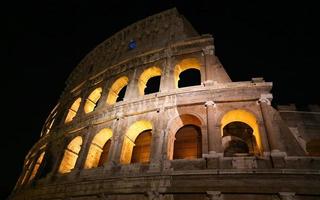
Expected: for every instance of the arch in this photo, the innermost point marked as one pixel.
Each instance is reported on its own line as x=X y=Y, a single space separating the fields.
x=116 y=88
x=145 y=76
x=130 y=137
x=188 y=143
x=97 y=149
x=73 y=110
x=173 y=127
x=36 y=166
x=240 y=115
x=189 y=63
x=70 y=155
x=92 y=100
x=313 y=147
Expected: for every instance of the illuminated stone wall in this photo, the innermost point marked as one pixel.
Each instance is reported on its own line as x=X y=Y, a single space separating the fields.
x=97 y=145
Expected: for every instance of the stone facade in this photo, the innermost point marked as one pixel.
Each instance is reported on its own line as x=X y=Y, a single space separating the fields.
x=66 y=162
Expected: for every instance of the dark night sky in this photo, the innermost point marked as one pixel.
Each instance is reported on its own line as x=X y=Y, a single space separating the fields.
x=45 y=40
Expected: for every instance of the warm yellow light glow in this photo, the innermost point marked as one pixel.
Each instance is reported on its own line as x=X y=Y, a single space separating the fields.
x=71 y=155
x=26 y=174
x=92 y=100
x=132 y=133
x=36 y=166
x=146 y=75
x=73 y=110
x=245 y=117
x=96 y=148
x=115 y=89
x=189 y=63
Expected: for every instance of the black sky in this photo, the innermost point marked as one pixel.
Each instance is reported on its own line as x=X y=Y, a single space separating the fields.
x=45 y=40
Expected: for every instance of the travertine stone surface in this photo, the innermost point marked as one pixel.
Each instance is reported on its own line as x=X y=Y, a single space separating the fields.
x=284 y=164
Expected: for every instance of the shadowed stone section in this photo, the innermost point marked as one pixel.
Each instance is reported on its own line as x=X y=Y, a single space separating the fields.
x=108 y=138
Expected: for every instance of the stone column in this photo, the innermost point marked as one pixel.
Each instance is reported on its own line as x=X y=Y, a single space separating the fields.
x=119 y=126
x=167 y=77
x=132 y=90
x=208 y=64
x=157 y=142
x=82 y=156
x=273 y=131
x=214 y=137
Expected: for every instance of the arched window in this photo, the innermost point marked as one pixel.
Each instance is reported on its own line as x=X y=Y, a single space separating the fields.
x=149 y=81
x=188 y=143
x=36 y=166
x=70 y=155
x=99 y=149
x=313 y=147
x=28 y=171
x=238 y=140
x=137 y=143
x=117 y=90
x=240 y=134
x=141 y=149
x=73 y=110
x=187 y=73
x=184 y=137
x=92 y=100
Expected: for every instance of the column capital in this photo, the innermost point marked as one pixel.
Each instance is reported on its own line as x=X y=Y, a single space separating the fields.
x=210 y=103
x=266 y=98
x=208 y=50
x=287 y=195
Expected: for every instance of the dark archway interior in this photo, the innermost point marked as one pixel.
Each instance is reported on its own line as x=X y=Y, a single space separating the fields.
x=242 y=140
x=313 y=147
x=188 y=143
x=121 y=94
x=189 y=77
x=105 y=153
x=45 y=166
x=141 y=150
x=152 y=85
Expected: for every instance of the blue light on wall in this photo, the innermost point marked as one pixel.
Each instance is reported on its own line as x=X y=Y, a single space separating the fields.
x=132 y=44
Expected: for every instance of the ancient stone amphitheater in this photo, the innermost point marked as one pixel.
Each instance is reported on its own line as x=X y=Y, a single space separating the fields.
x=151 y=113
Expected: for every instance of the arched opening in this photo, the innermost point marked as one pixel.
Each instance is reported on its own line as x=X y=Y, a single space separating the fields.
x=28 y=171
x=153 y=85
x=141 y=149
x=99 y=149
x=184 y=138
x=188 y=143
x=149 y=81
x=189 y=77
x=73 y=110
x=70 y=155
x=46 y=166
x=105 y=153
x=121 y=94
x=117 y=90
x=36 y=166
x=187 y=73
x=92 y=100
x=240 y=134
x=313 y=147
x=143 y=143
x=238 y=140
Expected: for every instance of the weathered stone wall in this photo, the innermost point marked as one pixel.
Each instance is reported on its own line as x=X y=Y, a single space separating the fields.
x=280 y=169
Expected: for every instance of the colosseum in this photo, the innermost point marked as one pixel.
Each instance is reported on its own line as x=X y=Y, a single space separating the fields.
x=151 y=114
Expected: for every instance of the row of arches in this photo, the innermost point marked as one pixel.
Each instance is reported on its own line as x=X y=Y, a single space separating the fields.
x=184 y=139
x=186 y=73
x=239 y=136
